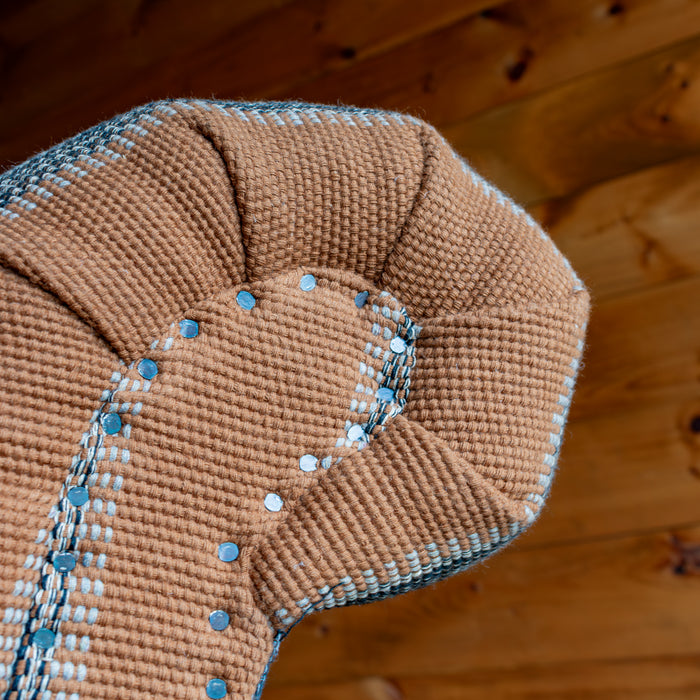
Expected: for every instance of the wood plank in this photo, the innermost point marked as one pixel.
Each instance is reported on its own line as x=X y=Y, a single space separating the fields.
x=633 y=232
x=512 y=50
x=602 y=126
x=614 y=600
x=328 y=36
x=674 y=678
x=50 y=91
x=157 y=50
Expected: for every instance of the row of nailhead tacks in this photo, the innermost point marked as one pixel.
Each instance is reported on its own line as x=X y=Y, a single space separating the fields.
x=216 y=688
x=355 y=432
x=64 y=562
x=219 y=619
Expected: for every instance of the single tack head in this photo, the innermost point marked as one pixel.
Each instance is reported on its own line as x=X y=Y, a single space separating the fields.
x=189 y=328
x=78 y=496
x=355 y=433
x=385 y=394
x=218 y=619
x=361 y=299
x=228 y=551
x=147 y=368
x=245 y=300
x=308 y=282
x=44 y=638
x=397 y=344
x=216 y=689
x=273 y=502
x=64 y=562
x=111 y=423
x=308 y=463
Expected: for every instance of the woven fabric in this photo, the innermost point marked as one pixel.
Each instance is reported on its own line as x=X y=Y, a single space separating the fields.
x=360 y=358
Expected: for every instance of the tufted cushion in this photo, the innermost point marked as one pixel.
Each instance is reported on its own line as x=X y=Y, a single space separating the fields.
x=259 y=359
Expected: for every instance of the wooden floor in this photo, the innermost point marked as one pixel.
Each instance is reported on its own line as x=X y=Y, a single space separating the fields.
x=587 y=112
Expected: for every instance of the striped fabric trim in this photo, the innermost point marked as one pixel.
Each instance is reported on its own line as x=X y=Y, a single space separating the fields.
x=52 y=600
x=112 y=139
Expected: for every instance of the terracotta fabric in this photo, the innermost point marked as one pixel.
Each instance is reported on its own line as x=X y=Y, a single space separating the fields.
x=110 y=240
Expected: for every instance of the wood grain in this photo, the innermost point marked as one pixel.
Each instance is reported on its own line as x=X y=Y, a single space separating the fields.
x=445 y=61
x=630 y=233
x=512 y=50
x=631 y=457
x=604 y=125
x=674 y=678
x=638 y=352
x=157 y=50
